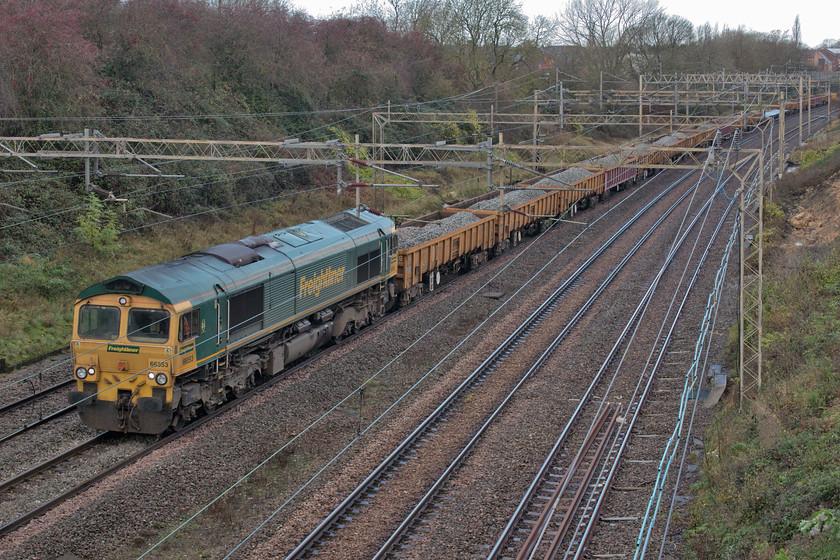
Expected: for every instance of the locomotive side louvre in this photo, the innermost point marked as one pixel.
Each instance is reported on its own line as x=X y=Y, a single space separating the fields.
x=279 y=304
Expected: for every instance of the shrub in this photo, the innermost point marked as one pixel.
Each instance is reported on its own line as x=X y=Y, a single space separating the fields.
x=98 y=226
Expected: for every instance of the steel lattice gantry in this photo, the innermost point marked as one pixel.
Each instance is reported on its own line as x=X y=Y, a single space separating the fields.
x=751 y=277
x=92 y=147
x=518 y=119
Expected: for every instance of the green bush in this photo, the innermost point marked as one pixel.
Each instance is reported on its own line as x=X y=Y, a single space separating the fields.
x=98 y=226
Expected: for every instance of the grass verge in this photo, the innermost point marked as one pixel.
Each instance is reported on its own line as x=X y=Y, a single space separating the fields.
x=770 y=488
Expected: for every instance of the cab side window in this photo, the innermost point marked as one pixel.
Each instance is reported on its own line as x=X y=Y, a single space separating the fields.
x=189 y=325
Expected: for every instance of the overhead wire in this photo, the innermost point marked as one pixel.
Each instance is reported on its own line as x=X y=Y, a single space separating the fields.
x=702 y=349
x=462 y=96
x=283 y=447
x=228 y=207
x=383 y=369
x=701 y=356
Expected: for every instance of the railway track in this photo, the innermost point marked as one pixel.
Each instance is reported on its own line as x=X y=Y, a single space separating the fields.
x=558 y=498
x=355 y=505
x=105 y=438
x=586 y=512
x=35 y=413
x=12 y=482
x=35 y=395
x=540 y=529
x=99 y=439
x=357 y=499
x=589 y=397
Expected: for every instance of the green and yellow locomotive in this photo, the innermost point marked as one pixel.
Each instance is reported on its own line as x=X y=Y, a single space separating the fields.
x=157 y=347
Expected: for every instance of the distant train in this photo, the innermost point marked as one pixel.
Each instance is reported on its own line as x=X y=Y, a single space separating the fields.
x=158 y=347
x=792 y=106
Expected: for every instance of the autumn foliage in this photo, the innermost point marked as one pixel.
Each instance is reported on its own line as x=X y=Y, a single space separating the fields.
x=179 y=58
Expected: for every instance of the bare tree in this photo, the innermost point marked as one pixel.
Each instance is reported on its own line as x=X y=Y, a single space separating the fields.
x=707 y=47
x=797 y=32
x=663 y=44
x=608 y=30
x=541 y=29
x=485 y=35
x=426 y=17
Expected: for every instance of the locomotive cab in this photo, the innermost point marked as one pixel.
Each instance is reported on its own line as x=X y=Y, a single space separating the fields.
x=123 y=347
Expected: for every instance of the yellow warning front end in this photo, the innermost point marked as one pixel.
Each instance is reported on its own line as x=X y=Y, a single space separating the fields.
x=122 y=354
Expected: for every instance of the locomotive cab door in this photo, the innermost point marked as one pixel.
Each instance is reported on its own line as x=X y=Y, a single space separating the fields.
x=385 y=252
x=221 y=320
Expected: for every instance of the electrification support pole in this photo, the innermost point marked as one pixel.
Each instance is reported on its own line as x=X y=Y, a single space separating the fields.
x=751 y=281
x=601 y=93
x=782 y=137
x=490 y=163
x=676 y=102
x=770 y=170
x=744 y=113
x=801 y=94
x=809 y=105
x=561 y=106
x=641 y=96
x=492 y=119
x=536 y=97
x=741 y=306
x=358 y=180
x=87 y=163
x=760 y=302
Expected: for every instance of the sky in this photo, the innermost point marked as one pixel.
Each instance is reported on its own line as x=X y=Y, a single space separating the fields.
x=817 y=22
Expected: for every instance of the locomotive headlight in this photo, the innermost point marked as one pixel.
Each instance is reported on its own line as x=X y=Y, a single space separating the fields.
x=81 y=372
x=91 y=370
x=161 y=379
x=151 y=375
